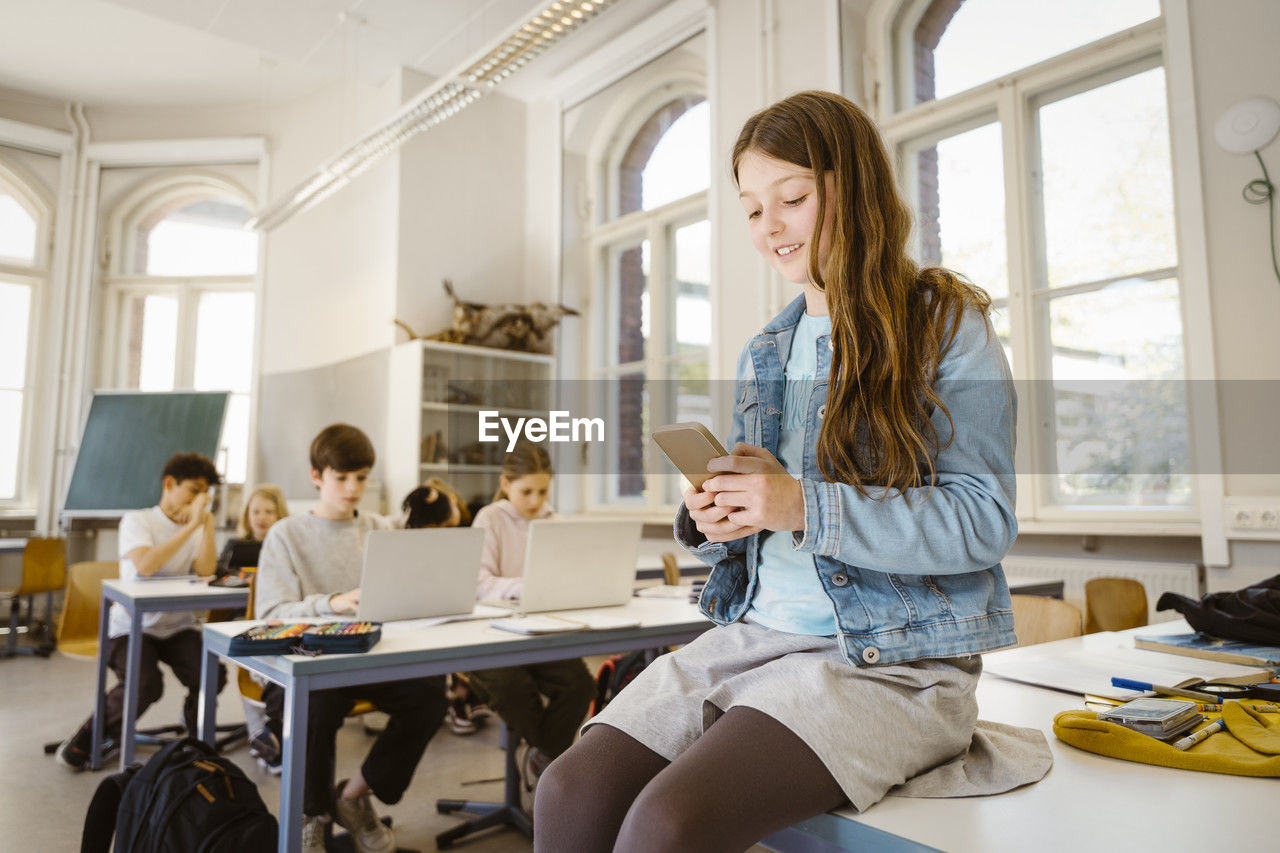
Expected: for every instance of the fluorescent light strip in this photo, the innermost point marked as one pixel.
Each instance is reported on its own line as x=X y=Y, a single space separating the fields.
x=441 y=100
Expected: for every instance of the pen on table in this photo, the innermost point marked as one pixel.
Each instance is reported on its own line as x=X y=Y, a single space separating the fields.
x=1252 y=706
x=1195 y=737
x=1130 y=684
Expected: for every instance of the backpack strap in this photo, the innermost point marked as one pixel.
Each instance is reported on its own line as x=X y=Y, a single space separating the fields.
x=100 y=820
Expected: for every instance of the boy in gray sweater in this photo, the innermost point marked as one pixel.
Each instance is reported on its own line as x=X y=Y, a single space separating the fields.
x=310 y=566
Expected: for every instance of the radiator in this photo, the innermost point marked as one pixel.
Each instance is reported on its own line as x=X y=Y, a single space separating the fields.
x=1156 y=578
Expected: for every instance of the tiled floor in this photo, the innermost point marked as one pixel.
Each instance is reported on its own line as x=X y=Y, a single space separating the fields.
x=42 y=803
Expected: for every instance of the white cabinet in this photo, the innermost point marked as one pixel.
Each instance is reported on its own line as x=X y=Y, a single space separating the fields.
x=437 y=392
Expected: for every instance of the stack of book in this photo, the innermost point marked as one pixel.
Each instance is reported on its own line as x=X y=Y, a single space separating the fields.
x=1163 y=719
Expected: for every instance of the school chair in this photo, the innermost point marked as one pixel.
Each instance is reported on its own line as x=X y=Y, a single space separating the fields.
x=44 y=570
x=1040 y=619
x=78 y=622
x=1114 y=604
x=489 y=814
x=670 y=569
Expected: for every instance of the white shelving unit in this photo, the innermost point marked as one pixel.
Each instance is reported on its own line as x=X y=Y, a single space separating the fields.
x=437 y=391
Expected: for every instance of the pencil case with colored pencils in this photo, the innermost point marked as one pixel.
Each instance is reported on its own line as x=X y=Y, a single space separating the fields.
x=342 y=637
x=286 y=638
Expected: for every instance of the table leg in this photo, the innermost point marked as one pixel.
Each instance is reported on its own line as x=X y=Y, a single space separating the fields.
x=207 y=715
x=100 y=697
x=131 y=689
x=293 y=762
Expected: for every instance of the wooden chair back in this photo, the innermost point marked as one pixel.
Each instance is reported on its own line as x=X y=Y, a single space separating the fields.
x=44 y=566
x=78 y=624
x=670 y=569
x=1040 y=619
x=1114 y=604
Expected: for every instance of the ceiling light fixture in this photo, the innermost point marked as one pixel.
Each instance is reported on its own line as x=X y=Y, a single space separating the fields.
x=452 y=92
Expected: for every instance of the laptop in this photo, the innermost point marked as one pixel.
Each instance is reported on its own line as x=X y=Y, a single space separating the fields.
x=415 y=574
x=575 y=563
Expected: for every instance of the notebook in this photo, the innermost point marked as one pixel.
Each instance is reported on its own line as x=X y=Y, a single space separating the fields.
x=412 y=574
x=576 y=563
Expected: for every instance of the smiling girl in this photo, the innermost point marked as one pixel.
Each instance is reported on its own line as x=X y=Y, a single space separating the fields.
x=854 y=533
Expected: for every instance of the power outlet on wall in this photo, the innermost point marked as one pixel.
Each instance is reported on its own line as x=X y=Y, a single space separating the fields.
x=1249 y=518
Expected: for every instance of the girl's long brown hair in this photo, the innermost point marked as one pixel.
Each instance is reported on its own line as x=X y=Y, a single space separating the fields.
x=891 y=320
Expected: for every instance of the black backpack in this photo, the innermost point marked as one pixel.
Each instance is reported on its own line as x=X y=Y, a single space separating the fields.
x=619 y=671
x=186 y=799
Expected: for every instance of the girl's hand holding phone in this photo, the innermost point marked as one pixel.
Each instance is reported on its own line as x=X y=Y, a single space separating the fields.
x=756 y=491
x=711 y=520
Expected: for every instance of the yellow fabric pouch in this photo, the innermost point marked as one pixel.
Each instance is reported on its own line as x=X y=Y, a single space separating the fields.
x=1249 y=747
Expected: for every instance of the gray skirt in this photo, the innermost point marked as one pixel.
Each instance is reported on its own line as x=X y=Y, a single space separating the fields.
x=873 y=727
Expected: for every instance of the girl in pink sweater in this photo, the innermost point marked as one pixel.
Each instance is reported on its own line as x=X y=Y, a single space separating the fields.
x=516 y=692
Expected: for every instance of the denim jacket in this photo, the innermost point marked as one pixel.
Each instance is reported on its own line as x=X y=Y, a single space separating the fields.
x=907 y=579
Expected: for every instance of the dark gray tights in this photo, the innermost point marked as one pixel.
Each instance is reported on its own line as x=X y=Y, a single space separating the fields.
x=747 y=777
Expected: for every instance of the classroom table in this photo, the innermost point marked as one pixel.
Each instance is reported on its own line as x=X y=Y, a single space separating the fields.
x=415 y=650
x=12 y=545
x=139 y=597
x=1085 y=802
x=1027 y=585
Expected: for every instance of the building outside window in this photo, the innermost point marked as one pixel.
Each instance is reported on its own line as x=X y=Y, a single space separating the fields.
x=1033 y=144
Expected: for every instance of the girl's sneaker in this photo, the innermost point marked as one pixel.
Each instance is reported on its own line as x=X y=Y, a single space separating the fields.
x=480 y=713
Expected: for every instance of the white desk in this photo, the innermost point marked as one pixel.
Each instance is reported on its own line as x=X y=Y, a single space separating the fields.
x=416 y=653
x=137 y=598
x=1086 y=802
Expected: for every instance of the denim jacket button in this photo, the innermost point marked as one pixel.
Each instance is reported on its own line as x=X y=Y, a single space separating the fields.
x=840 y=579
x=871 y=654
x=822 y=411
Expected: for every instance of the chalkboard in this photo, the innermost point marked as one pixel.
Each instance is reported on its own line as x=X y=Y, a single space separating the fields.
x=128 y=436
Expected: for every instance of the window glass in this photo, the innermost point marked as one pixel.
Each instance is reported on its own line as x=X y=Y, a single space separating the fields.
x=679 y=165
x=17 y=231
x=201 y=237
x=1108 y=182
x=959 y=45
x=15 y=315
x=224 y=362
x=151 y=328
x=692 y=304
x=10 y=433
x=224 y=341
x=1120 y=414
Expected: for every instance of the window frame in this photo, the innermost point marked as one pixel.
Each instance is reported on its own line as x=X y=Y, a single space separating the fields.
x=27 y=191
x=119 y=283
x=1012 y=100
x=610 y=232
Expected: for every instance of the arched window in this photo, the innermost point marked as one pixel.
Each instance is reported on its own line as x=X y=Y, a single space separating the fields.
x=655 y=312
x=24 y=220
x=1053 y=192
x=181 y=292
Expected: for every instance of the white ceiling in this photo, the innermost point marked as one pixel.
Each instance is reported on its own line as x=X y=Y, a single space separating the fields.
x=165 y=52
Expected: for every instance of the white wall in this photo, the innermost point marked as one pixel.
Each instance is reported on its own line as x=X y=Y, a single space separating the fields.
x=1235 y=57
x=461 y=213
x=331 y=271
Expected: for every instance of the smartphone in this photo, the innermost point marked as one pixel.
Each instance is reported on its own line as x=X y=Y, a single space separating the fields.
x=689 y=446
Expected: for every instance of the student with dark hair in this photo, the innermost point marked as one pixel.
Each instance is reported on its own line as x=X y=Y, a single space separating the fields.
x=309 y=566
x=175 y=537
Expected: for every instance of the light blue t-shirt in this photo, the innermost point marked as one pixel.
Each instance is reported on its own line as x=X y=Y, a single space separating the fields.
x=789 y=596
